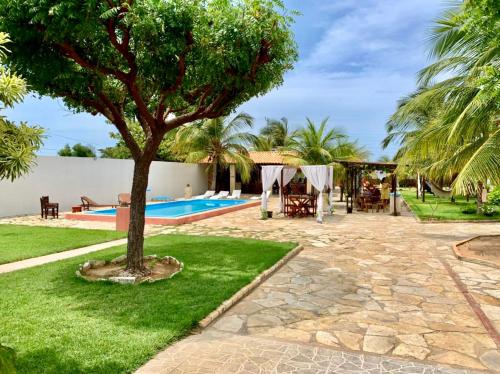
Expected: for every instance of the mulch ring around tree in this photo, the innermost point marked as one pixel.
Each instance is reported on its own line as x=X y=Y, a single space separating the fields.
x=114 y=270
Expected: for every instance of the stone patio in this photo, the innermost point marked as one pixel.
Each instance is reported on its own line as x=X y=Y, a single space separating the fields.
x=368 y=283
x=369 y=293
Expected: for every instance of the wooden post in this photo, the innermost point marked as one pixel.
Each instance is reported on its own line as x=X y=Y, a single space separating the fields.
x=347 y=189
x=418 y=183
x=281 y=192
x=423 y=189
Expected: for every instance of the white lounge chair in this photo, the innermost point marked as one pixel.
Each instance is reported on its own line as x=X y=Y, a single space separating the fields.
x=206 y=195
x=220 y=195
x=268 y=195
x=236 y=195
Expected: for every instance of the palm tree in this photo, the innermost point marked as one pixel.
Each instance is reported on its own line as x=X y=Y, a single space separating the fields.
x=450 y=128
x=315 y=145
x=318 y=145
x=219 y=141
x=263 y=143
x=18 y=143
x=278 y=132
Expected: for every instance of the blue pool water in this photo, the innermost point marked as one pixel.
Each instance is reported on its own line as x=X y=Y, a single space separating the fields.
x=174 y=209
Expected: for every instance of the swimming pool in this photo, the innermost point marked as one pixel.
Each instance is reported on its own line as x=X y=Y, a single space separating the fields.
x=173 y=209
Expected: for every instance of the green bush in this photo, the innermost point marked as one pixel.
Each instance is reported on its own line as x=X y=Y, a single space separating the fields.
x=488 y=209
x=494 y=196
x=469 y=209
x=7 y=360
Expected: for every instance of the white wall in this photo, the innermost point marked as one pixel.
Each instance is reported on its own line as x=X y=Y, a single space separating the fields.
x=65 y=179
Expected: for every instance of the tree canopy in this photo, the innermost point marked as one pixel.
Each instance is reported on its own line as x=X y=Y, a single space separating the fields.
x=218 y=141
x=18 y=143
x=78 y=150
x=165 y=62
x=449 y=127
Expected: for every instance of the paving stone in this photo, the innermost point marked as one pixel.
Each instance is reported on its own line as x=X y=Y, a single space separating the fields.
x=491 y=359
x=326 y=338
x=411 y=351
x=349 y=339
x=380 y=330
x=413 y=339
x=229 y=324
x=378 y=344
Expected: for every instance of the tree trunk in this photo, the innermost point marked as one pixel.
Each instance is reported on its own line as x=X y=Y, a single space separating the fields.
x=479 y=196
x=213 y=182
x=341 y=193
x=135 y=246
x=423 y=189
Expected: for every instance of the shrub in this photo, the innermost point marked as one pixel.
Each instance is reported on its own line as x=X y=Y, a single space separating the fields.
x=488 y=209
x=494 y=196
x=469 y=209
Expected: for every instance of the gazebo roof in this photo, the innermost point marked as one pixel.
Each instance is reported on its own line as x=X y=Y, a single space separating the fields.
x=367 y=164
x=261 y=158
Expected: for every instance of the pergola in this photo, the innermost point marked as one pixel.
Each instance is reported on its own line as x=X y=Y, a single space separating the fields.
x=320 y=176
x=353 y=177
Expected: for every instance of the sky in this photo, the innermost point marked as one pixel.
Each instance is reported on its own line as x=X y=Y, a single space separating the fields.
x=356 y=59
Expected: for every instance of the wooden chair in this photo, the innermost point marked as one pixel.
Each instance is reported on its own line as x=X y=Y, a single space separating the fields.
x=124 y=199
x=46 y=206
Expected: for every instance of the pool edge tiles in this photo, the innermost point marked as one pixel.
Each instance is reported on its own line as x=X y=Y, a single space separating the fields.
x=163 y=220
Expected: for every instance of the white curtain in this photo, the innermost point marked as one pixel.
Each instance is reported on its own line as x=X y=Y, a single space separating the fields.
x=317 y=175
x=269 y=175
x=330 y=185
x=288 y=174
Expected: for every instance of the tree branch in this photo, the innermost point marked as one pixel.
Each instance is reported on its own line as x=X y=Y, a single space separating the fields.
x=69 y=51
x=160 y=111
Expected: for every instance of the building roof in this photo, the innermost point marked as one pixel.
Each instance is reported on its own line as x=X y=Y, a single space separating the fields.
x=267 y=157
x=261 y=158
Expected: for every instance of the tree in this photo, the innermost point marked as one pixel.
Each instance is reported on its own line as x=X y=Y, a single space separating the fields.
x=449 y=128
x=315 y=145
x=219 y=141
x=278 y=132
x=263 y=143
x=78 y=150
x=121 y=151
x=18 y=143
x=163 y=63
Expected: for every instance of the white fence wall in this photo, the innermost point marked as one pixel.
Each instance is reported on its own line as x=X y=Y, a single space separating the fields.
x=65 y=179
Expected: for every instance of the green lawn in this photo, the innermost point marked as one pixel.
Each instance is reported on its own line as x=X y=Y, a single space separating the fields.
x=445 y=209
x=59 y=323
x=19 y=242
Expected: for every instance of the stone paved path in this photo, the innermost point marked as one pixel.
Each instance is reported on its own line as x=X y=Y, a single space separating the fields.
x=365 y=283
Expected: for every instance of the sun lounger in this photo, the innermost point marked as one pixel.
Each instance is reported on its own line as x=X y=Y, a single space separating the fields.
x=268 y=195
x=206 y=195
x=220 y=195
x=88 y=203
x=236 y=195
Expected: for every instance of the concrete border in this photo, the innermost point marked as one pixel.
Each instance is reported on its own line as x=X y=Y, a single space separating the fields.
x=245 y=291
x=478 y=261
x=166 y=221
